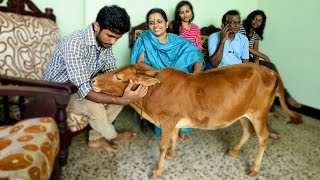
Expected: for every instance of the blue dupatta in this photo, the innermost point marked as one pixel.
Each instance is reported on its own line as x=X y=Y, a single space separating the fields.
x=178 y=52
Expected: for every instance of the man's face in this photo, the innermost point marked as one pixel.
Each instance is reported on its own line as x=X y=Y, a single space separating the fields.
x=105 y=37
x=234 y=23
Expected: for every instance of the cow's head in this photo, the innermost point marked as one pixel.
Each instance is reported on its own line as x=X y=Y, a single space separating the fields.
x=114 y=82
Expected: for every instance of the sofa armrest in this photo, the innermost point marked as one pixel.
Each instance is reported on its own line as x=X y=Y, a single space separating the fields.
x=59 y=95
x=42 y=101
x=69 y=87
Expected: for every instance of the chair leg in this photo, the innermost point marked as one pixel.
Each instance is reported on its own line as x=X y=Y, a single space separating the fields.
x=144 y=125
x=65 y=135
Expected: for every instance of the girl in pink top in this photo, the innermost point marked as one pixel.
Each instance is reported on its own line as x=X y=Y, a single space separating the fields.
x=182 y=23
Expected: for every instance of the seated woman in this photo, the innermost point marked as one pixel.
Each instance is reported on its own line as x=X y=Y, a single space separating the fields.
x=160 y=49
x=253 y=27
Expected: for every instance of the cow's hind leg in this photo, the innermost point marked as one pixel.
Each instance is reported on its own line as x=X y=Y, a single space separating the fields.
x=167 y=133
x=260 y=127
x=173 y=147
x=246 y=133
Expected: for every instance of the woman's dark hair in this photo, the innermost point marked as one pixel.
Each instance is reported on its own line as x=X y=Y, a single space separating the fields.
x=156 y=10
x=177 y=19
x=247 y=23
x=114 y=18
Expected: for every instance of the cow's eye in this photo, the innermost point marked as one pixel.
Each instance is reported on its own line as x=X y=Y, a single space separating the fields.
x=118 y=78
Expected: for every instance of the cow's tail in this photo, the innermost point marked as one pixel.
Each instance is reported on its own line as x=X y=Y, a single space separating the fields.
x=295 y=118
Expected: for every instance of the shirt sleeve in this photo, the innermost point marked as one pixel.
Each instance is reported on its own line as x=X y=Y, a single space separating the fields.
x=213 y=42
x=79 y=75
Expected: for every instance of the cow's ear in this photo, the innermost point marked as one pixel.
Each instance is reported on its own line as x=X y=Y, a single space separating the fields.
x=147 y=70
x=151 y=73
x=147 y=81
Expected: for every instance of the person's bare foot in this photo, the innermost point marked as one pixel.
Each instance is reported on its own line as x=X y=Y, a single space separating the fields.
x=294 y=103
x=125 y=137
x=272 y=133
x=183 y=137
x=108 y=146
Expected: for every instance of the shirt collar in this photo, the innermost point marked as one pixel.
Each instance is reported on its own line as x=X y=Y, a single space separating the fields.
x=90 y=38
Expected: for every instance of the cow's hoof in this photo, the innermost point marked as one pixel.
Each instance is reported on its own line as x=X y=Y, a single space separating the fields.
x=252 y=172
x=156 y=174
x=233 y=152
x=169 y=157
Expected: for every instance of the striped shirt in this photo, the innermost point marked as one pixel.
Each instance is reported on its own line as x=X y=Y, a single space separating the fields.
x=77 y=59
x=252 y=39
x=193 y=34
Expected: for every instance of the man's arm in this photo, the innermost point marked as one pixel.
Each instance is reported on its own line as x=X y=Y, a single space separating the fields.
x=216 y=58
x=128 y=97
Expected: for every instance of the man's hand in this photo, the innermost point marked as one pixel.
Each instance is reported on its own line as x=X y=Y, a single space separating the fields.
x=130 y=96
x=225 y=31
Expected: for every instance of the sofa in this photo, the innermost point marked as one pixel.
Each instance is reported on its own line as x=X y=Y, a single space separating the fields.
x=27 y=39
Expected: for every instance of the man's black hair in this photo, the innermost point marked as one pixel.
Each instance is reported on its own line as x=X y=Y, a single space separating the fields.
x=229 y=13
x=114 y=18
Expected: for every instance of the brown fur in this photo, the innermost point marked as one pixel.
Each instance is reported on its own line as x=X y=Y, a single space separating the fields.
x=208 y=100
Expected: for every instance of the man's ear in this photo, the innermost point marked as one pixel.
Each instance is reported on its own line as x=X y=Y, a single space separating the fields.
x=96 y=27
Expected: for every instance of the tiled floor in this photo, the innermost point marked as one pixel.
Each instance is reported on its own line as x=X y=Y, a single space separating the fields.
x=295 y=156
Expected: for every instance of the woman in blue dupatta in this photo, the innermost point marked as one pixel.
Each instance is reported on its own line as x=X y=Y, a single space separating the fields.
x=160 y=49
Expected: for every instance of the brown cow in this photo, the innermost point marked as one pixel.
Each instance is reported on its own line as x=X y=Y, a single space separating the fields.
x=208 y=100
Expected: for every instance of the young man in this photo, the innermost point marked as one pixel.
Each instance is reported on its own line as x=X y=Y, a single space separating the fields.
x=78 y=58
x=228 y=47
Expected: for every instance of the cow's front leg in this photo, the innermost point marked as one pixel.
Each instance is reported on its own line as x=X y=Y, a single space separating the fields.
x=165 y=140
x=173 y=148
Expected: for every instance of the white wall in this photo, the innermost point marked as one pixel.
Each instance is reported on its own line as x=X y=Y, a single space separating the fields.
x=291 y=41
x=69 y=14
x=206 y=12
x=291 y=35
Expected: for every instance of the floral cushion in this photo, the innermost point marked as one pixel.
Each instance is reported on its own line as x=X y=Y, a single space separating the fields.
x=28 y=149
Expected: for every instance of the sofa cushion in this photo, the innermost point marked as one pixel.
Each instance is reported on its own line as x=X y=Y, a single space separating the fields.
x=28 y=149
x=76 y=121
x=26 y=44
